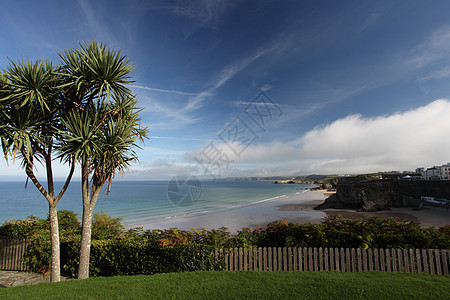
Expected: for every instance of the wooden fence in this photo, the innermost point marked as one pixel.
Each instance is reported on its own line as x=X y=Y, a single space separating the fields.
x=432 y=261
x=12 y=255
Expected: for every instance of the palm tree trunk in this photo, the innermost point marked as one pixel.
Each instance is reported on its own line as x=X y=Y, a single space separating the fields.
x=55 y=274
x=85 y=248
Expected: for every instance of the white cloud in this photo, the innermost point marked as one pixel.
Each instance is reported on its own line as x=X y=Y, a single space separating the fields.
x=401 y=141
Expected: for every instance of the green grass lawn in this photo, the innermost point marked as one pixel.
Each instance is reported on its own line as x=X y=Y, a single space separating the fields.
x=244 y=285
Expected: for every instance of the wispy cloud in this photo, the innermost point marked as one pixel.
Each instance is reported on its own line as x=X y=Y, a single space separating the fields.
x=181 y=139
x=232 y=70
x=162 y=90
x=438 y=74
x=435 y=47
x=169 y=116
x=94 y=24
x=205 y=13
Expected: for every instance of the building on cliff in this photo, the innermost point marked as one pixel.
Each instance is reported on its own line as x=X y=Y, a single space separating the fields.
x=437 y=173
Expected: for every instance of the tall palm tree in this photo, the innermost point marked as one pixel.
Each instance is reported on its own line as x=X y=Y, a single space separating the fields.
x=31 y=110
x=103 y=129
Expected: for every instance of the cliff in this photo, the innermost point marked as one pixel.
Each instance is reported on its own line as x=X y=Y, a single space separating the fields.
x=382 y=194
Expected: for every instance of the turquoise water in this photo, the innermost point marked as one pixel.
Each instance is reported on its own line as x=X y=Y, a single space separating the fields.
x=141 y=201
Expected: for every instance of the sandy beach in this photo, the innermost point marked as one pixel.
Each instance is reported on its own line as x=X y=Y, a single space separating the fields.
x=296 y=208
x=247 y=216
x=427 y=217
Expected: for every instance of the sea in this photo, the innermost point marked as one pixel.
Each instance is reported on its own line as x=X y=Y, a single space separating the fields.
x=139 y=202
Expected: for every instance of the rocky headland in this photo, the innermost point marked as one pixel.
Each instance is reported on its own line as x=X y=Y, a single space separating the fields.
x=377 y=195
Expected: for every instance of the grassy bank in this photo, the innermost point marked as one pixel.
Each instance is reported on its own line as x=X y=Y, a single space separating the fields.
x=238 y=285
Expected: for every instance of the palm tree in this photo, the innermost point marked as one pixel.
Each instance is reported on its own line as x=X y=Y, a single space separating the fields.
x=103 y=129
x=31 y=110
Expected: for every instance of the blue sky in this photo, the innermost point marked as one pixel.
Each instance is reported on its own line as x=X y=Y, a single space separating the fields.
x=348 y=86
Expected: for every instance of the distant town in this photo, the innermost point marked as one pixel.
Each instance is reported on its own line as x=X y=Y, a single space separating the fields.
x=432 y=173
x=435 y=173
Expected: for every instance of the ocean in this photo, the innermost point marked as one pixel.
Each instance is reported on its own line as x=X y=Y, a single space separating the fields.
x=141 y=202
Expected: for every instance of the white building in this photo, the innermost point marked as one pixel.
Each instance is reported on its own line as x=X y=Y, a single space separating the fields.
x=437 y=173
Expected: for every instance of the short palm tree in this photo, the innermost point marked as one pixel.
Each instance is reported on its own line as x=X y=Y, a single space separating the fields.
x=103 y=128
x=31 y=110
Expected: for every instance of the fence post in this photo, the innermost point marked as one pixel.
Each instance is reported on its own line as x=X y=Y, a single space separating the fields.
x=280 y=259
x=359 y=258
x=301 y=259
x=310 y=259
x=412 y=261
x=285 y=259
x=270 y=259
x=370 y=260
x=265 y=259
x=419 y=261
x=348 y=266
x=305 y=259
x=376 y=259
x=236 y=259
x=255 y=259
x=240 y=260
x=388 y=260
x=431 y=261
x=245 y=254
x=231 y=260
x=316 y=261
x=425 y=261
x=400 y=260
x=295 y=258
x=353 y=259
x=331 y=259
x=445 y=261
x=275 y=259
x=337 y=259
x=320 y=259
x=364 y=260
x=290 y=264
x=260 y=267
x=406 y=260
x=394 y=260
x=438 y=262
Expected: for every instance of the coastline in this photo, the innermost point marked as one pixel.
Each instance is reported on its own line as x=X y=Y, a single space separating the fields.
x=295 y=208
x=251 y=215
x=426 y=217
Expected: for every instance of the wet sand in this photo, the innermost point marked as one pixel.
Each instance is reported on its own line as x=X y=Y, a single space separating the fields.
x=253 y=215
x=296 y=208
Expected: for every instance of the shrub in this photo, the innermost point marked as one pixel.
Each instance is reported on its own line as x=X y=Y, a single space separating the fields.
x=135 y=251
x=106 y=227
x=22 y=229
x=131 y=256
x=68 y=222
